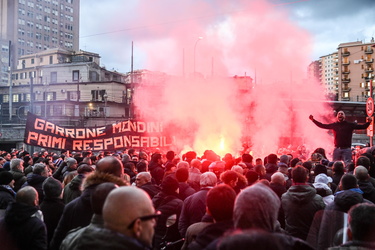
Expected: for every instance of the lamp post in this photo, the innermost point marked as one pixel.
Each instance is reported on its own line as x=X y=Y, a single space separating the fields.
x=195 y=47
x=105 y=96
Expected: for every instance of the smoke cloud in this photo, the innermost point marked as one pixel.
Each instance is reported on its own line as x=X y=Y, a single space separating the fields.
x=205 y=106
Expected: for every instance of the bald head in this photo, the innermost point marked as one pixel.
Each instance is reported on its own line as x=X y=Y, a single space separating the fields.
x=142 y=178
x=361 y=173
x=136 y=203
x=110 y=165
x=27 y=195
x=278 y=178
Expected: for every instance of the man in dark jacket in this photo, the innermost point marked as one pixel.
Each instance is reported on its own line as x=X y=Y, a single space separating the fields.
x=185 y=190
x=168 y=203
x=326 y=223
x=271 y=166
x=7 y=194
x=52 y=206
x=194 y=207
x=23 y=224
x=361 y=231
x=220 y=203
x=16 y=169
x=76 y=237
x=156 y=168
x=300 y=203
x=78 y=212
x=133 y=229
x=143 y=181
x=257 y=207
x=342 y=131
x=361 y=173
x=36 y=179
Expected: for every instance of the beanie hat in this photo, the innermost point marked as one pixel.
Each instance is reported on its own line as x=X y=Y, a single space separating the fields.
x=320 y=169
x=322 y=178
x=52 y=188
x=169 y=184
x=284 y=159
x=5 y=177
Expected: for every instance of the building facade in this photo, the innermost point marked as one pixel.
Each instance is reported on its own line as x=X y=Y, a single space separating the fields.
x=356 y=70
x=328 y=74
x=31 y=26
x=66 y=88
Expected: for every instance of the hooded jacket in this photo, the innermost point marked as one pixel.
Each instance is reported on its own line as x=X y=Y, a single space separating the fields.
x=36 y=181
x=167 y=204
x=300 y=203
x=6 y=196
x=368 y=190
x=25 y=228
x=78 y=212
x=19 y=179
x=73 y=189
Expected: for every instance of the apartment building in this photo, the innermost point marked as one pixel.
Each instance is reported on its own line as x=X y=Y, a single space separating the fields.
x=31 y=26
x=328 y=73
x=356 y=70
x=67 y=88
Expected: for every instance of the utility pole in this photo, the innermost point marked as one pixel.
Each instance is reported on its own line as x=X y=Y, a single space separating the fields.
x=10 y=81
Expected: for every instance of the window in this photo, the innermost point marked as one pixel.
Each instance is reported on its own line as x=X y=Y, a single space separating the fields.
x=75 y=75
x=97 y=95
x=16 y=98
x=5 y=98
x=53 y=77
x=72 y=95
x=50 y=59
x=32 y=60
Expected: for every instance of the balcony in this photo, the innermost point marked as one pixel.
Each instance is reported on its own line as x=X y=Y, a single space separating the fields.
x=369 y=60
x=345 y=53
x=345 y=80
x=369 y=70
x=346 y=62
x=346 y=71
x=369 y=51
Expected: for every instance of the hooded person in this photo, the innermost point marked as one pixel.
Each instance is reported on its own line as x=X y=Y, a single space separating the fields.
x=77 y=238
x=167 y=201
x=264 y=205
x=271 y=166
x=7 y=194
x=321 y=185
x=300 y=203
x=52 y=206
x=23 y=223
x=78 y=212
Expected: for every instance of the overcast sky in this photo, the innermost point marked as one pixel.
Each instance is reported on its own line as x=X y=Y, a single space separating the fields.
x=109 y=27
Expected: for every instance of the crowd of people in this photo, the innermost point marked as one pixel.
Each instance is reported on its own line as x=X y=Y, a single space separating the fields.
x=140 y=200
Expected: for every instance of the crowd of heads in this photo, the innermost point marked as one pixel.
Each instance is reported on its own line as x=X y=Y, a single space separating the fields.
x=236 y=184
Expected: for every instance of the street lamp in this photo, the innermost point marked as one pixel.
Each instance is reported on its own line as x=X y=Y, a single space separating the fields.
x=195 y=47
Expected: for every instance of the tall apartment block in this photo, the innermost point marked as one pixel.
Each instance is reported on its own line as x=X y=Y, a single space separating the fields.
x=355 y=70
x=32 y=26
x=329 y=74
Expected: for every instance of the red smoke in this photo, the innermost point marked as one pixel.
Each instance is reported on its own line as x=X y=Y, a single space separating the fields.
x=205 y=111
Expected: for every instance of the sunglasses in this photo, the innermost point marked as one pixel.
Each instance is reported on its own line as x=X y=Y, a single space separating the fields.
x=145 y=218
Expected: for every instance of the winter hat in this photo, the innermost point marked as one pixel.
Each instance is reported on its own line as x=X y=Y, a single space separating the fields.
x=284 y=159
x=169 y=184
x=322 y=178
x=320 y=169
x=52 y=188
x=5 y=177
